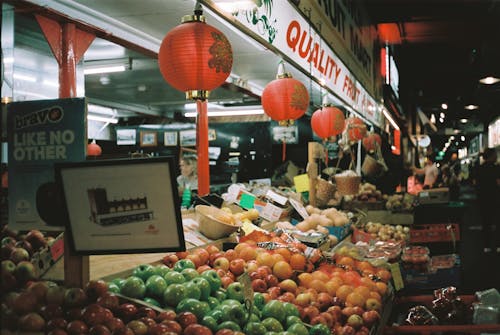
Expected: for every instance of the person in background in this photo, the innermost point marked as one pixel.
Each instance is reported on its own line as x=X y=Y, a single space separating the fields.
x=455 y=165
x=188 y=177
x=488 y=196
x=450 y=180
x=430 y=171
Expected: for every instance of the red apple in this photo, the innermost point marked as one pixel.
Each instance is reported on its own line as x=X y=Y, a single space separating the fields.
x=230 y=254
x=203 y=268
x=212 y=249
x=336 y=312
x=264 y=270
x=226 y=281
x=114 y=324
x=323 y=301
x=99 y=330
x=138 y=327
x=51 y=311
x=36 y=239
x=31 y=322
x=251 y=266
x=274 y=292
x=303 y=299
x=287 y=285
x=186 y=318
x=109 y=300
x=272 y=280
x=182 y=254
x=195 y=259
x=287 y=297
x=19 y=254
x=346 y=330
x=309 y=313
x=75 y=297
x=225 y=331
x=373 y=304
x=95 y=289
x=161 y=329
x=25 y=245
x=75 y=313
x=172 y=326
x=370 y=318
x=77 y=327
x=147 y=321
x=355 y=321
x=166 y=315
x=126 y=311
x=255 y=275
x=318 y=319
x=146 y=311
x=55 y=323
x=57 y=331
x=213 y=257
x=55 y=295
x=221 y=263
x=24 y=303
x=259 y=285
x=170 y=260
x=93 y=314
x=328 y=318
x=203 y=254
x=40 y=288
x=237 y=266
x=197 y=329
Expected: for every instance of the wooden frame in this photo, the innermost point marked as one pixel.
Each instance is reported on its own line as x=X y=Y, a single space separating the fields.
x=148 y=138
x=170 y=138
x=108 y=212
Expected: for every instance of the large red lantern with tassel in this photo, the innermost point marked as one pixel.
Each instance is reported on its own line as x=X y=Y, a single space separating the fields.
x=94 y=149
x=372 y=142
x=196 y=58
x=328 y=121
x=356 y=129
x=285 y=99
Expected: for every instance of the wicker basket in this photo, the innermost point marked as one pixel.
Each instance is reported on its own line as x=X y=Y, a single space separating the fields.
x=325 y=191
x=347 y=185
x=212 y=227
x=371 y=167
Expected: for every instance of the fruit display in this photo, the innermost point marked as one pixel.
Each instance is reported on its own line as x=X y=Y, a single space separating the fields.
x=416 y=258
x=367 y=192
x=400 y=202
x=384 y=232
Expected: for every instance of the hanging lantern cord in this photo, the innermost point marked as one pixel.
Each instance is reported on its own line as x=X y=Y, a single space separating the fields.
x=198 y=10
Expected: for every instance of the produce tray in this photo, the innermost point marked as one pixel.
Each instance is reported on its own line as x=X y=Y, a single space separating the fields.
x=439 y=232
x=341 y=232
x=426 y=300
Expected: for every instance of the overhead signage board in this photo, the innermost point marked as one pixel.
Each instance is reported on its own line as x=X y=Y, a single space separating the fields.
x=281 y=25
x=42 y=133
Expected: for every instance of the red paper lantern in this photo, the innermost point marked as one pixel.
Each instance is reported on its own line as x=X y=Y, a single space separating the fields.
x=372 y=142
x=356 y=129
x=285 y=99
x=94 y=149
x=195 y=57
x=328 y=121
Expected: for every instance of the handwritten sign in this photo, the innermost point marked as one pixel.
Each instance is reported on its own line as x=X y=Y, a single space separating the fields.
x=301 y=183
x=299 y=208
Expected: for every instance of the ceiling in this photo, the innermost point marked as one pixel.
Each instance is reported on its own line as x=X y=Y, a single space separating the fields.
x=443 y=47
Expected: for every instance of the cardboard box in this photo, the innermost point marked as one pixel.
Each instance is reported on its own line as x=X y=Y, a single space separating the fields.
x=44 y=259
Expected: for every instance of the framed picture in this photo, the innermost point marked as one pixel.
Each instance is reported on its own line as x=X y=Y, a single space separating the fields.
x=107 y=211
x=170 y=138
x=188 y=138
x=125 y=137
x=289 y=135
x=212 y=135
x=148 y=138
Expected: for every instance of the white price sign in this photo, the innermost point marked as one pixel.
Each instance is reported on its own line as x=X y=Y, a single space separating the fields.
x=271 y=212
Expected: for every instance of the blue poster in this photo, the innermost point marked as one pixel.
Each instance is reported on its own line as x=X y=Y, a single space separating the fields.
x=42 y=133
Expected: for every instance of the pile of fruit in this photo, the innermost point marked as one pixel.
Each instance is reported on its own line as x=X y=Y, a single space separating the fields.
x=385 y=232
x=367 y=192
x=400 y=202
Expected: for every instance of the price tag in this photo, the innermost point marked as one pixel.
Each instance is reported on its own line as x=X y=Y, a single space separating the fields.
x=247 y=200
x=57 y=249
x=271 y=212
x=396 y=276
x=299 y=208
x=276 y=197
x=301 y=183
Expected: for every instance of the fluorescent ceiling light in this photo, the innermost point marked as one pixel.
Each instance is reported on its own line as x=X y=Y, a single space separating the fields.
x=462 y=138
x=444 y=106
x=192 y=106
x=471 y=107
x=441 y=115
x=391 y=120
x=463 y=120
x=97 y=109
x=102 y=119
x=433 y=118
x=489 y=80
x=441 y=120
x=232 y=6
x=50 y=83
x=24 y=77
x=104 y=69
x=8 y=60
x=229 y=113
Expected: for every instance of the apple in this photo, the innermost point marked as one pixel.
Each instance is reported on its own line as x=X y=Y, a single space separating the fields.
x=56 y=323
x=274 y=292
x=24 y=303
x=212 y=249
x=287 y=285
x=274 y=309
x=95 y=289
x=192 y=290
x=77 y=327
x=195 y=259
x=8 y=240
x=190 y=273
x=75 y=313
x=235 y=291
x=213 y=279
x=170 y=260
x=25 y=245
x=226 y=281
x=309 y=313
x=186 y=318
x=93 y=314
x=8 y=282
x=143 y=271
x=126 y=311
x=147 y=312
x=336 y=312
x=213 y=257
x=31 y=322
x=203 y=268
x=323 y=301
x=237 y=266
x=40 y=288
x=25 y=271
x=8 y=266
x=155 y=286
x=259 y=285
x=75 y=297
x=197 y=329
x=303 y=299
x=36 y=239
x=166 y=315
x=51 y=311
x=6 y=250
x=287 y=297
x=99 y=330
x=230 y=254
x=203 y=254
x=161 y=269
x=347 y=330
x=221 y=263
x=173 y=294
x=107 y=315
x=174 y=277
x=114 y=324
x=355 y=321
x=204 y=286
x=125 y=331
x=328 y=318
x=251 y=266
x=171 y=326
x=182 y=264
x=108 y=300
x=298 y=329
x=134 y=287
x=318 y=319
x=272 y=280
x=138 y=327
x=373 y=304
x=358 y=310
x=147 y=321
x=370 y=318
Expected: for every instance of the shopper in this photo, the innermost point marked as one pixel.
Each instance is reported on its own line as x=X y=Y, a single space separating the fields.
x=430 y=172
x=188 y=177
x=488 y=196
x=450 y=180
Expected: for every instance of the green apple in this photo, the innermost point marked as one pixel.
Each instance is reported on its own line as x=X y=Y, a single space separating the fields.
x=210 y=322
x=213 y=302
x=216 y=314
x=290 y=320
x=233 y=312
x=182 y=264
x=118 y=281
x=133 y=287
x=143 y=271
x=258 y=300
x=253 y=318
x=161 y=269
x=213 y=279
x=189 y=274
x=173 y=294
x=152 y=301
x=192 y=290
x=272 y=325
x=204 y=286
x=274 y=309
x=319 y=329
x=298 y=329
x=290 y=309
x=155 y=286
x=230 y=302
x=229 y=325
x=174 y=277
x=197 y=307
x=254 y=328
x=112 y=287
x=220 y=295
x=235 y=291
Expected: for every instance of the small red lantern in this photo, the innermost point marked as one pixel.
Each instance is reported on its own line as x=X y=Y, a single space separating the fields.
x=285 y=99
x=93 y=149
x=356 y=129
x=328 y=121
x=372 y=142
x=195 y=57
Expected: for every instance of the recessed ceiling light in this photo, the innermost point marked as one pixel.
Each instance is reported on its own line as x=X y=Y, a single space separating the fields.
x=441 y=120
x=462 y=138
x=433 y=118
x=489 y=80
x=444 y=106
x=471 y=107
x=463 y=120
x=456 y=131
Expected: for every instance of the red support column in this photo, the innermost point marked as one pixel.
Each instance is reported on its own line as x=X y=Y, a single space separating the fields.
x=202 y=148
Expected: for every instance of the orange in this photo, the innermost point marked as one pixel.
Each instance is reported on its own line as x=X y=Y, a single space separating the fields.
x=343 y=291
x=284 y=252
x=318 y=285
x=376 y=295
x=240 y=246
x=346 y=260
x=265 y=258
x=384 y=275
x=298 y=262
x=305 y=279
x=249 y=253
x=365 y=266
x=365 y=281
x=321 y=275
x=332 y=285
x=363 y=290
x=355 y=299
x=381 y=288
x=282 y=270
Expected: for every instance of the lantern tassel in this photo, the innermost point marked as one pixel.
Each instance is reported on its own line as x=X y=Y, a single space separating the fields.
x=283 y=151
x=202 y=147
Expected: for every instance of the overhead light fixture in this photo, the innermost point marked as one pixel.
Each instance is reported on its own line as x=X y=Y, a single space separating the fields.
x=232 y=6
x=105 y=69
x=192 y=106
x=456 y=131
x=97 y=109
x=107 y=65
x=441 y=115
x=24 y=77
x=462 y=138
x=441 y=120
x=229 y=113
x=102 y=119
x=452 y=138
x=433 y=118
x=463 y=120
x=471 y=107
x=489 y=80
x=444 y=106
x=389 y=118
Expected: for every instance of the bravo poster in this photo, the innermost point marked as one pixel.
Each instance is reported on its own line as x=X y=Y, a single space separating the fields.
x=42 y=133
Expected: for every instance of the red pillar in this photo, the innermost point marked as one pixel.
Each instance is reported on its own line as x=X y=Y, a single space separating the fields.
x=202 y=148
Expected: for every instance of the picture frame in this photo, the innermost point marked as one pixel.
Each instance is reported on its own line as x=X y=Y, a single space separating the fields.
x=188 y=138
x=170 y=138
x=108 y=212
x=212 y=135
x=148 y=139
x=126 y=137
x=289 y=135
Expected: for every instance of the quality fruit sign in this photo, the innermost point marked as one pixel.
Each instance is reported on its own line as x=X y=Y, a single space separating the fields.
x=41 y=133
